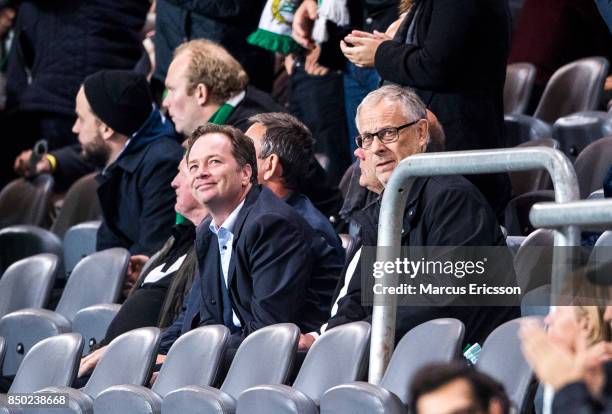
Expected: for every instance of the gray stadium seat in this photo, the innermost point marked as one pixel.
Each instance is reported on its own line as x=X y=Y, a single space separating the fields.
x=532 y=180
x=438 y=340
x=517 y=211
x=337 y=357
x=536 y=302
x=533 y=261
x=129 y=359
x=53 y=362
x=522 y=128
x=194 y=359
x=264 y=357
x=2 y=352
x=502 y=359
x=97 y=279
x=26 y=201
x=80 y=205
x=27 y=283
x=20 y=241
x=79 y=242
x=593 y=164
x=574 y=87
x=575 y=132
x=518 y=87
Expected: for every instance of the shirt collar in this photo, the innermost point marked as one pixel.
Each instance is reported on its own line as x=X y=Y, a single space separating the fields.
x=236 y=99
x=229 y=222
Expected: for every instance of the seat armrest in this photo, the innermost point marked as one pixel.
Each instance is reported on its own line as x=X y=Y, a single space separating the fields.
x=92 y=323
x=194 y=400
x=77 y=402
x=361 y=397
x=277 y=399
x=134 y=399
x=24 y=328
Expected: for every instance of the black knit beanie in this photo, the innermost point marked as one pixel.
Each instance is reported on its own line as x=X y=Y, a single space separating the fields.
x=120 y=98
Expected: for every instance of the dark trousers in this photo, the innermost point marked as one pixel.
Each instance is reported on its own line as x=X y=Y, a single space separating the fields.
x=318 y=101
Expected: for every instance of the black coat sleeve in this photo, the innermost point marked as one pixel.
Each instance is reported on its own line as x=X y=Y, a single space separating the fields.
x=221 y=9
x=433 y=64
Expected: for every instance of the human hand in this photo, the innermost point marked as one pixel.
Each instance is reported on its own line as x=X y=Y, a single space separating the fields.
x=552 y=363
x=135 y=266
x=160 y=359
x=363 y=49
x=305 y=342
x=89 y=362
x=22 y=165
x=303 y=20
x=311 y=63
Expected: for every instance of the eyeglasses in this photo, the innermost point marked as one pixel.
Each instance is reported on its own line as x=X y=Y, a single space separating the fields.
x=385 y=135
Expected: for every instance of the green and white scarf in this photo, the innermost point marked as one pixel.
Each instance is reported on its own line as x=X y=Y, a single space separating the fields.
x=274 y=31
x=335 y=11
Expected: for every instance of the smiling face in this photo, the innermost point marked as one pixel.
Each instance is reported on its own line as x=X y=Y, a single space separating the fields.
x=217 y=181
x=184 y=107
x=385 y=157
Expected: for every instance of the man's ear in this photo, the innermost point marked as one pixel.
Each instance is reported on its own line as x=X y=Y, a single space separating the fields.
x=423 y=128
x=273 y=167
x=246 y=174
x=106 y=131
x=201 y=94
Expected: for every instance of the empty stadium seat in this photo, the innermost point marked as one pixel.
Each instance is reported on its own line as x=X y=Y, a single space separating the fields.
x=96 y=279
x=518 y=87
x=129 y=359
x=532 y=180
x=264 y=357
x=533 y=261
x=194 y=359
x=522 y=128
x=575 y=87
x=578 y=130
x=536 y=302
x=434 y=341
x=27 y=283
x=517 y=211
x=502 y=359
x=2 y=352
x=79 y=242
x=337 y=357
x=593 y=164
x=53 y=362
x=81 y=204
x=20 y=241
x=26 y=201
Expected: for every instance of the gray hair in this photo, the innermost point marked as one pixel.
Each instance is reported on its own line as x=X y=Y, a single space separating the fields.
x=405 y=97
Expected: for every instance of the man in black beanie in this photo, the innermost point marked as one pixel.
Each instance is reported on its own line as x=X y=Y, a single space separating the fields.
x=121 y=130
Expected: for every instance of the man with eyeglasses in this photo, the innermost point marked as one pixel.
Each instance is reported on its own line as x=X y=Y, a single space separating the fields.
x=440 y=211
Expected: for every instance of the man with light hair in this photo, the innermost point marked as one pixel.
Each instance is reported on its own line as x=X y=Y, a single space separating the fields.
x=440 y=211
x=206 y=84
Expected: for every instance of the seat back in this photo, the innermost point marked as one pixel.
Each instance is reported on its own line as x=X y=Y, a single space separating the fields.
x=533 y=261
x=79 y=242
x=20 y=241
x=517 y=211
x=532 y=180
x=52 y=362
x=438 y=340
x=518 y=87
x=194 y=359
x=81 y=204
x=522 y=128
x=98 y=278
x=605 y=239
x=337 y=357
x=501 y=358
x=574 y=87
x=27 y=283
x=264 y=357
x=575 y=132
x=26 y=201
x=128 y=359
x=592 y=165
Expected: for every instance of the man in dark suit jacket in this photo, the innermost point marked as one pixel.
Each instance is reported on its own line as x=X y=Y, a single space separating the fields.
x=254 y=253
x=206 y=84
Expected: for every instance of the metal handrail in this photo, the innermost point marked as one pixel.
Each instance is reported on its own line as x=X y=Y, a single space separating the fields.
x=448 y=163
x=592 y=214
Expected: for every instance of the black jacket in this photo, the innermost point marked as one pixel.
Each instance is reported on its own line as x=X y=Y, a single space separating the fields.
x=58 y=43
x=458 y=68
x=270 y=274
x=576 y=398
x=135 y=194
x=440 y=211
x=227 y=22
